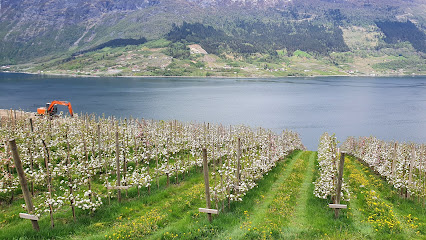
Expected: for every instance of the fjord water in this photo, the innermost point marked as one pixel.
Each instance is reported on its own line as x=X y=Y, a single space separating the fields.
x=390 y=108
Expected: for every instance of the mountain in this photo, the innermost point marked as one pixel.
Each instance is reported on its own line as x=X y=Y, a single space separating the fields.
x=41 y=30
x=31 y=29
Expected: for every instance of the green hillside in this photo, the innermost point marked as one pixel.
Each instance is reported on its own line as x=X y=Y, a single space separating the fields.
x=190 y=56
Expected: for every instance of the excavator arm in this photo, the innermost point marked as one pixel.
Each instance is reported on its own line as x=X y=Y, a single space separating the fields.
x=65 y=103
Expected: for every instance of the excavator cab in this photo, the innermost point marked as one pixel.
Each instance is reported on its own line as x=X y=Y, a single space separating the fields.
x=54 y=110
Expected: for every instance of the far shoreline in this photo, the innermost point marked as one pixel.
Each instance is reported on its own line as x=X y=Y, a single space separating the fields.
x=216 y=77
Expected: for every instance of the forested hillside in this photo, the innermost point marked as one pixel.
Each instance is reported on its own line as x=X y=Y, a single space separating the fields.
x=403 y=31
x=259 y=37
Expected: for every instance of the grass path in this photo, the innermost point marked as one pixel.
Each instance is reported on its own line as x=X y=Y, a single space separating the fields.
x=258 y=215
x=297 y=224
x=227 y=224
x=275 y=205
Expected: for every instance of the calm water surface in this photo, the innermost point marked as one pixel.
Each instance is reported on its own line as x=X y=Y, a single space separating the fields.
x=391 y=108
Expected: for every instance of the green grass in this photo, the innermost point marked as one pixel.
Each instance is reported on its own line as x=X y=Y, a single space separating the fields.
x=282 y=206
x=160 y=43
x=299 y=53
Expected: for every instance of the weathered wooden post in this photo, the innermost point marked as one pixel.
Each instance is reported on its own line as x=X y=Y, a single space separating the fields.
x=87 y=166
x=99 y=141
x=10 y=117
x=70 y=182
x=49 y=119
x=31 y=125
x=333 y=177
x=270 y=147
x=410 y=173
x=237 y=184
x=49 y=181
x=117 y=158
x=174 y=140
x=156 y=168
x=206 y=182
x=177 y=172
x=24 y=186
x=207 y=210
x=168 y=170
x=337 y=206
x=394 y=156
x=124 y=156
x=31 y=154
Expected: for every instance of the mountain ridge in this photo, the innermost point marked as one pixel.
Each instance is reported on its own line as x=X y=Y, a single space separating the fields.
x=37 y=31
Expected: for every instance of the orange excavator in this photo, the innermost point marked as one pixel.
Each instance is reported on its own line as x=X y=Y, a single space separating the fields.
x=51 y=108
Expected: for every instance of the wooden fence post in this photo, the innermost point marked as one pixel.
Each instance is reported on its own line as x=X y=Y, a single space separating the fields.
x=49 y=181
x=126 y=145
x=9 y=116
x=15 y=118
x=410 y=173
x=99 y=141
x=86 y=154
x=70 y=182
x=207 y=188
x=228 y=160
x=117 y=158
x=213 y=158
x=23 y=182
x=31 y=125
x=206 y=182
x=31 y=155
x=339 y=183
x=237 y=185
x=394 y=156
x=156 y=167
x=167 y=166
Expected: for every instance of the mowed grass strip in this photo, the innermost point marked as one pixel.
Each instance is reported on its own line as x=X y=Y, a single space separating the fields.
x=272 y=222
x=270 y=210
x=298 y=222
x=194 y=225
